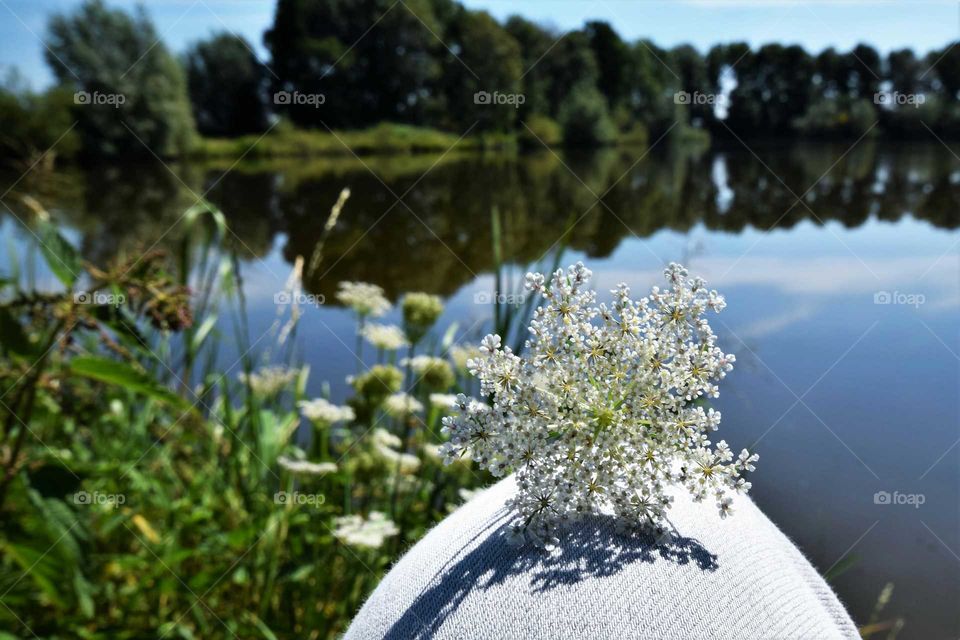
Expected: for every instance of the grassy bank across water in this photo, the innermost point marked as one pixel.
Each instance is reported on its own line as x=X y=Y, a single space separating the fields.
x=284 y=140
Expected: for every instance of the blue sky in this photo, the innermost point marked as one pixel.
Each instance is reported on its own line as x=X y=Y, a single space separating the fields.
x=922 y=25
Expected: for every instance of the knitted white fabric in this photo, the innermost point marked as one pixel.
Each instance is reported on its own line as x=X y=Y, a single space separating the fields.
x=738 y=577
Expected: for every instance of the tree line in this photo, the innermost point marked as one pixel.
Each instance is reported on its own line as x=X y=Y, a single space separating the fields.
x=350 y=64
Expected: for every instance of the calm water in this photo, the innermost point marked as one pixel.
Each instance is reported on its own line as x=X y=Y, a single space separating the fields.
x=843 y=396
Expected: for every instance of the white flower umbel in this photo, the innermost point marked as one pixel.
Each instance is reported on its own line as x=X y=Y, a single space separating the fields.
x=366 y=533
x=462 y=354
x=385 y=447
x=400 y=405
x=322 y=411
x=604 y=407
x=443 y=401
x=388 y=337
x=364 y=298
x=269 y=381
x=306 y=468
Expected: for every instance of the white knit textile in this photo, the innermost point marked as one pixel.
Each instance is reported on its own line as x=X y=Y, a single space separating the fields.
x=738 y=577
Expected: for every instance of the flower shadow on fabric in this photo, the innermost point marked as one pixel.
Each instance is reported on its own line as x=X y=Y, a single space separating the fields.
x=590 y=550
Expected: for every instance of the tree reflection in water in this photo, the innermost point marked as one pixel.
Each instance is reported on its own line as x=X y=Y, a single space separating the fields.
x=439 y=236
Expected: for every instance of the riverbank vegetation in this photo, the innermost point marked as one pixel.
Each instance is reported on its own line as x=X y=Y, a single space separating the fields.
x=156 y=481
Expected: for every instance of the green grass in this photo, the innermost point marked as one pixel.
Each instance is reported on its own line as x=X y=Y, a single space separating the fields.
x=284 y=140
x=287 y=141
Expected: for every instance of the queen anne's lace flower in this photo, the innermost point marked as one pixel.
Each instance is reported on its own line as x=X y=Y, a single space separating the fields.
x=385 y=445
x=305 y=467
x=322 y=411
x=431 y=452
x=443 y=401
x=605 y=406
x=377 y=383
x=401 y=404
x=269 y=381
x=462 y=354
x=388 y=337
x=364 y=298
x=420 y=311
x=434 y=372
x=367 y=533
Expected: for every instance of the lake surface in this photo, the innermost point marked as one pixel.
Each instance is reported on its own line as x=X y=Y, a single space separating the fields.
x=841 y=269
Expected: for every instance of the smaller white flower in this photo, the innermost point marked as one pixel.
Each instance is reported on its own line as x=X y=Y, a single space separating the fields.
x=745 y=460
x=461 y=354
x=431 y=452
x=725 y=507
x=305 y=467
x=323 y=411
x=443 y=400
x=388 y=337
x=385 y=445
x=269 y=381
x=364 y=298
x=366 y=533
x=400 y=405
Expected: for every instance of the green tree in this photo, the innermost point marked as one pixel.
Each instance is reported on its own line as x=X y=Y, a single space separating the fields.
x=863 y=71
x=653 y=85
x=687 y=63
x=372 y=60
x=585 y=119
x=829 y=76
x=946 y=63
x=226 y=83
x=904 y=71
x=487 y=67
x=773 y=90
x=132 y=95
x=35 y=125
x=535 y=43
x=569 y=65
x=613 y=62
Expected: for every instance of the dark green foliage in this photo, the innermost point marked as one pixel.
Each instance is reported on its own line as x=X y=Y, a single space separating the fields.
x=613 y=61
x=227 y=86
x=372 y=60
x=584 y=118
x=489 y=61
x=35 y=124
x=132 y=97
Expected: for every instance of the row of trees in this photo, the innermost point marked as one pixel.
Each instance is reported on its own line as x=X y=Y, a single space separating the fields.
x=423 y=61
x=356 y=63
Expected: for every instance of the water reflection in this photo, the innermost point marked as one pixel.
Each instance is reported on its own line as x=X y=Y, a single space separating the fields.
x=438 y=237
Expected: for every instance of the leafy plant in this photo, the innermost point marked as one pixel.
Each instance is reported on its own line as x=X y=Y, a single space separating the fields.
x=150 y=488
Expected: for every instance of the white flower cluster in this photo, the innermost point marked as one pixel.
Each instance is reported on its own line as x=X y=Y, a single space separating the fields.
x=604 y=408
x=401 y=405
x=364 y=298
x=367 y=533
x=388 y=337
x=305 y=467
x=462 y=354
x=322 y=411
x=269 y=381
x=386 y=445
x=422 y=363
x=443 y=400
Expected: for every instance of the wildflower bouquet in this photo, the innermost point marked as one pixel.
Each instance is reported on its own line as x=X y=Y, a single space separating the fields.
x=604 y=408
